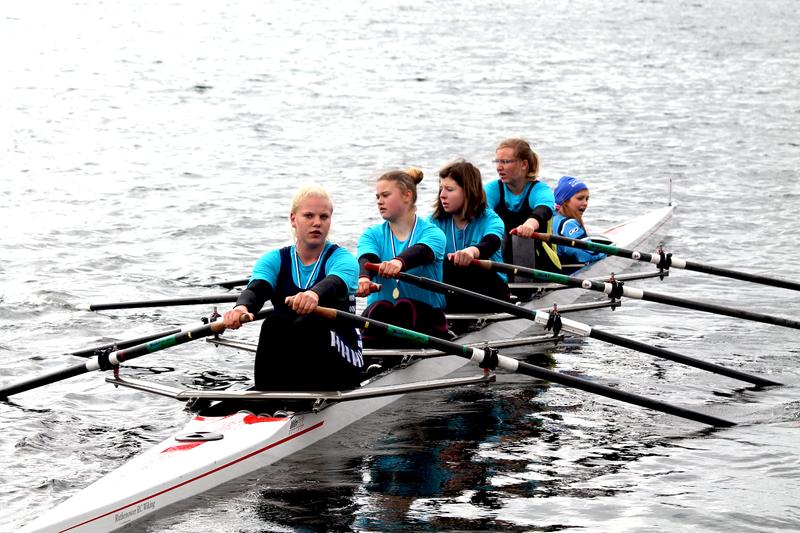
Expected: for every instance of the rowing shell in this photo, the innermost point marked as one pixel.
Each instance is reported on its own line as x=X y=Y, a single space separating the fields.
x=211 y=450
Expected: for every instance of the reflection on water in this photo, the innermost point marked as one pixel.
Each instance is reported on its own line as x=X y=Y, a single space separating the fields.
x=428 y=456
x=439 y=471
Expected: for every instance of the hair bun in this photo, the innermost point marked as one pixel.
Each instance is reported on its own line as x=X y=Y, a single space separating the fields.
x=415 y=174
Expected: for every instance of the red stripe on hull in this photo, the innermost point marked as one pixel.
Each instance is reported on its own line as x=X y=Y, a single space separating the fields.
x=182 y=447
x=240 y=459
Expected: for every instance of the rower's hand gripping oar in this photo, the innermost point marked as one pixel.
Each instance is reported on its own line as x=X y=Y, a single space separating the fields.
x=112 y=360
x=617 y=289
x=491 y=359
x=665 y=261
x=552 y=321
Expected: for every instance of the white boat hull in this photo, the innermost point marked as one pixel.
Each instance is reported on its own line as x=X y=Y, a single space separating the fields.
x=175 y=470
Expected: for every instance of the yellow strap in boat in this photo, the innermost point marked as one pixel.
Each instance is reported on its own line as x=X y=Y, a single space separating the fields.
x=550 y=249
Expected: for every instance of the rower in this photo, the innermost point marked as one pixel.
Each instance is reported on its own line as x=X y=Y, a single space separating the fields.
x=402 y=243
x=298 y=350
x=572 y=199
x=472 y=231
x=524 y=203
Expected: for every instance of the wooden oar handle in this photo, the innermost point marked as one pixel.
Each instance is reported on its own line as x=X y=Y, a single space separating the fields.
x=482 y=263
x=515 y=232
x=218 y=326
x=325 y=312
x=373 y=287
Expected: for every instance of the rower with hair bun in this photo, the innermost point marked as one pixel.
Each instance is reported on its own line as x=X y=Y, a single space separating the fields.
x=404 y=242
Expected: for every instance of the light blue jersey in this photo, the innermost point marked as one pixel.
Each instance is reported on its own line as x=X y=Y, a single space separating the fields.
x=380 y=240
x=540 y=195
x=341 y=263
x=487 y=223
x=571 y=229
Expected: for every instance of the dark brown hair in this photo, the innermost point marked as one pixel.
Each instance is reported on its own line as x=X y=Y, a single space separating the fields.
x=468 y=177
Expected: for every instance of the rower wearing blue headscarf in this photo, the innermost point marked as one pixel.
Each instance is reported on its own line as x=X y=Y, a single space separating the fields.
x=572 y=199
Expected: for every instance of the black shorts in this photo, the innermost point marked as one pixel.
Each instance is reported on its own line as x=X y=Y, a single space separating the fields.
x=297 y=353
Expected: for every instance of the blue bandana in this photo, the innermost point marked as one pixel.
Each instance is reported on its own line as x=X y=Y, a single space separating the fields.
x=567 y=188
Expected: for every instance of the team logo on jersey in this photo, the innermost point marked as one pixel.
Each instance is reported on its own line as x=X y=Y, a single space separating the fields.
x=573 y=231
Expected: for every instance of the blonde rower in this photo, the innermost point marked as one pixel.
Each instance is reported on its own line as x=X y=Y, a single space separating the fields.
x=298 y=350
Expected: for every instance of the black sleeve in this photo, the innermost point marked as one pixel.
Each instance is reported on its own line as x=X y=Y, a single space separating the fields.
x=488 y=246
x=542 y=214
x=417 y=255
x=362 y=269
x=254 y=296
x=331 y=286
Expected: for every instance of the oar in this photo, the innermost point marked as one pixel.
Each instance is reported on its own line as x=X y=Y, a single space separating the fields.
x=615 y=290
x=491 y=359
x=543 y=317
x=228 y=284
x=86 y=352
x=190 y=300
x=112 y=360
x=668 y=260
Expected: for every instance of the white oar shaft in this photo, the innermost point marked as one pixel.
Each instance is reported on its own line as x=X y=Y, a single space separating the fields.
x=506 y=363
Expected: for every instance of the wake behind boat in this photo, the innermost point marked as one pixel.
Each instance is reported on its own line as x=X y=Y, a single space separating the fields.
x=228 y=438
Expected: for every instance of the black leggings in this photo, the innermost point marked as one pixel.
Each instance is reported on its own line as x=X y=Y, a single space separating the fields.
x=477 y=280
x=296 y=353
x=408 y=314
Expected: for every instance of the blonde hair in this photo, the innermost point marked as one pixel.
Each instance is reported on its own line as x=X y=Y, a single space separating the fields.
x=309 y=191
x=305 y=192
x=406 y=180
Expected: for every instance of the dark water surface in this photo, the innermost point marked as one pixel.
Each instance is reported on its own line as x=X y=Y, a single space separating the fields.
x=150 y=147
